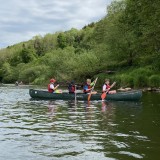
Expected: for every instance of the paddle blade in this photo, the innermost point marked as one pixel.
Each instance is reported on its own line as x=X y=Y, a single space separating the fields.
x=103 y=95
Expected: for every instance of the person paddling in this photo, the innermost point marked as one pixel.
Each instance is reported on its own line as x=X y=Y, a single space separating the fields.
x=52 y=88
x=106 y=87
x=71 y=88
x=88 y=87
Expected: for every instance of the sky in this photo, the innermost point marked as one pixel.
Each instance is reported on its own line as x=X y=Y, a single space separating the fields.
x=21 y=20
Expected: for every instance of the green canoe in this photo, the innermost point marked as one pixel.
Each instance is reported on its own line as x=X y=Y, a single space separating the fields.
x=120 y=96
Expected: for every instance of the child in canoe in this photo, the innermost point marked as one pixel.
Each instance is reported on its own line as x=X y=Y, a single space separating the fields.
x=52 y=88
x=88 y=87
x=71 y=87
x=106 y=87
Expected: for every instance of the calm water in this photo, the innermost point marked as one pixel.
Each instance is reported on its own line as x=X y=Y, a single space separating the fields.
x=61 y=130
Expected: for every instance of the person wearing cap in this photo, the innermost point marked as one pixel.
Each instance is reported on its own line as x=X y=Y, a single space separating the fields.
x=51 y=87
x=88 y=87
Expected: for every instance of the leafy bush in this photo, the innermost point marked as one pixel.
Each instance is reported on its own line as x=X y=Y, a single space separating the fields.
x=140 y=76
x=8 y=73
x=154 y=81
x=141 y=71
x=127 y=80
x=140 y=80
x=40 y=80
x=28 y=75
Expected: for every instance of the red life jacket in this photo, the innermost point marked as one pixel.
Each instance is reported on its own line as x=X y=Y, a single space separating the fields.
x=86 y=87
x=107 y=87
x=49 y=89
x=71 y=88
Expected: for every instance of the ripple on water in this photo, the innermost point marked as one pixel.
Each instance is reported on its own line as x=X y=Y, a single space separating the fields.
x=62 y=130
x=135 y=155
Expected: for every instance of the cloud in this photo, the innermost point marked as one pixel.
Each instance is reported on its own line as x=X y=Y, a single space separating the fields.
x=22 y=20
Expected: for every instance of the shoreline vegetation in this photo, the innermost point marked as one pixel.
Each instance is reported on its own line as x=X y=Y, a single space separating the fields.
x=124 y=46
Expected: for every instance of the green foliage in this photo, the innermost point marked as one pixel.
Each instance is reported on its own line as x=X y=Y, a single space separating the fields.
x=40 y=80
x=126 y=40
x=16 y=59
x=8 y=73
x=29 y=74
x=118 y=36
x=141 y=76
x=127 y=80
x=154 y=81
x=62 y=41
x=143 y=18
x=44 y=44
x=141 y=71
x=27 y=55
x=140 y=81
x=72 y=37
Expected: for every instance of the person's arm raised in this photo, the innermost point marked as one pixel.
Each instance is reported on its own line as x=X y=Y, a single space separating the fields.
x=56 y=87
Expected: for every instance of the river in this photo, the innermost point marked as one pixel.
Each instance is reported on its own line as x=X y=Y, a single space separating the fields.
x=63 y=130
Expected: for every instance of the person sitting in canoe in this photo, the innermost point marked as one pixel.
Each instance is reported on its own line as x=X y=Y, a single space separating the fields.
x=52 y=88
x=88 y=87
x=71 y=88
x=106 y=87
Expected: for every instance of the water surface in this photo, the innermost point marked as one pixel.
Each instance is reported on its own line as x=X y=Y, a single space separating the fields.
x=63 y=130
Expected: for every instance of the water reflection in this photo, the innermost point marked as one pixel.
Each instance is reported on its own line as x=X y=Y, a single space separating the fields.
x=52 y=109
x=62 y=130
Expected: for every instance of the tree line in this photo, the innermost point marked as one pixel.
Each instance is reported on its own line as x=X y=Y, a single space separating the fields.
x=126 y=41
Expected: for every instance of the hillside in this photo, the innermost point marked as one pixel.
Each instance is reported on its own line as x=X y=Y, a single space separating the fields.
x=123 y=46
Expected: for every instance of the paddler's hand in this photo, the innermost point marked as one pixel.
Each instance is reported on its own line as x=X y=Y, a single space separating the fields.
x=91 y=88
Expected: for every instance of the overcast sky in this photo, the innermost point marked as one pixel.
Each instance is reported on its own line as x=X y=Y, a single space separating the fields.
x=20 y=20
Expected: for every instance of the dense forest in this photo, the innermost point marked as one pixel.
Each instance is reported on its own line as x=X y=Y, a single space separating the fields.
x=123 y=46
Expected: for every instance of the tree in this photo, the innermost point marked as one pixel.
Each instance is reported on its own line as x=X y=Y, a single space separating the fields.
x=7 y=72
x=61 y=39
x=28 y=55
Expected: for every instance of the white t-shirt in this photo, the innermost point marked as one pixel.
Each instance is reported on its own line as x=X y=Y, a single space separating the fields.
x=104 y=88
x=52 y=86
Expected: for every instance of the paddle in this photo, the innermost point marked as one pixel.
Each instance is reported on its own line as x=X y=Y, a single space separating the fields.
x=89 y=96
x=75 y=94
x=104 y=94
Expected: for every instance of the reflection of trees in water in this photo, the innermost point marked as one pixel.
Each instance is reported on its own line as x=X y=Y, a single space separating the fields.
x=104 y=127
x=100 y=126
x=106 y=117
x=118 y=124
x=90 y=119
